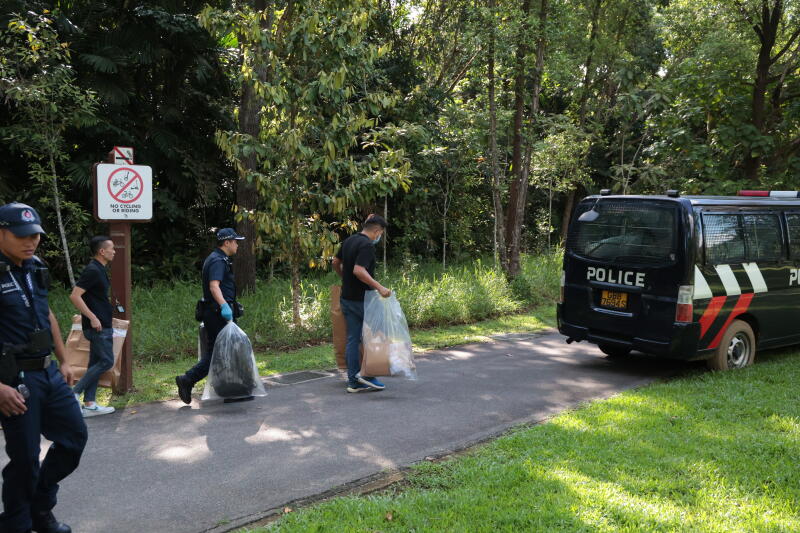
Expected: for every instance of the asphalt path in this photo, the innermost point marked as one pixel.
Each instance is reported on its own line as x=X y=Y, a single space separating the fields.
x=169 y=467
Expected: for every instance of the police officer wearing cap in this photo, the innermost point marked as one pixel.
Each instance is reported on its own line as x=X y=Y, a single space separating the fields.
x=34 y=397
x=216 y=309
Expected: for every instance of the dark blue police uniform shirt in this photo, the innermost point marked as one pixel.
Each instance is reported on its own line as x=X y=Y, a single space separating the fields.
x=18 y=320
x=217 y=266
x=94 y=280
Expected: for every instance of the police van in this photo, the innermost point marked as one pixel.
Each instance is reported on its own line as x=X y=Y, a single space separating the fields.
x=684 y=277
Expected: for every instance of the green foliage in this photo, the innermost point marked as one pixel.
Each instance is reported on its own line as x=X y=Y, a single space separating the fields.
x=163 y=314
x=366 y=104
x=156 y=77
x=321 y=152
x=39 y=84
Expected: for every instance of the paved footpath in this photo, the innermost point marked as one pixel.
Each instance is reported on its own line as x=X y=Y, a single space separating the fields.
x=169 y=467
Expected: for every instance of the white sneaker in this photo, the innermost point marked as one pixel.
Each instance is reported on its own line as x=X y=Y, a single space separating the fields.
x=96 y=410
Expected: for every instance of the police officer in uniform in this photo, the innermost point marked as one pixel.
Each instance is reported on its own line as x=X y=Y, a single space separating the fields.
x=218 y=305
x=34 y=397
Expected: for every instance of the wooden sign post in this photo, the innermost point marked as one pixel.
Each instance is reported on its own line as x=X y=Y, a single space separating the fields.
x=123 y=194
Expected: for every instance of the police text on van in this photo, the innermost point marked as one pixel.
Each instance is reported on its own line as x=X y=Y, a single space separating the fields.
x=621 y=277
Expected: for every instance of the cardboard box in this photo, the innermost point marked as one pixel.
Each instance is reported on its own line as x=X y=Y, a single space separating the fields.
x=339 y=327
x=77 y=351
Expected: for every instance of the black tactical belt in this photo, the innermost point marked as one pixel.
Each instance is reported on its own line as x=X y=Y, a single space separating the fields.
x=33 y=363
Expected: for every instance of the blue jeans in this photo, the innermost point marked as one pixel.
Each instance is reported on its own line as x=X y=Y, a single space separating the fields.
x=29 y=487
x=354 y=316
x=101 y=360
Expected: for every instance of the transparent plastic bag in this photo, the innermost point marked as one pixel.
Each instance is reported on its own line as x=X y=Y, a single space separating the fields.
x=387 y=342
x=233 y=372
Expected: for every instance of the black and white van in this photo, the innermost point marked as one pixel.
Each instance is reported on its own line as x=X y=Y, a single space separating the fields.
x=684 y=277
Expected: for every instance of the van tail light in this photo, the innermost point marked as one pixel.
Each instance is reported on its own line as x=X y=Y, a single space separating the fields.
x=684 y=309
x=561 y=293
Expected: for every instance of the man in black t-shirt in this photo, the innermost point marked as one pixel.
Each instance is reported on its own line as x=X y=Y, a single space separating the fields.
x=90 y=297
x=355 y=263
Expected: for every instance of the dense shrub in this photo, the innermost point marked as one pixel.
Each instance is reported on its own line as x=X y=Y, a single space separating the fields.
x=163 y=314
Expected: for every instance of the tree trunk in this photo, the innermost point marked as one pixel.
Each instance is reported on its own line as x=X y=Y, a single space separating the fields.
x=246 y=193
x=587 y=76
x=61 y=230
x=499 y=222
x=386 y=230
x=521 y=162
x=566 y=215
x=295 y=267
x=767 y=31
x=513 y=216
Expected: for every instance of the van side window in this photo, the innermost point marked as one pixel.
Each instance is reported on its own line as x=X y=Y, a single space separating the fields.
x=793 y=223
x=724 y=239
x=762 y=234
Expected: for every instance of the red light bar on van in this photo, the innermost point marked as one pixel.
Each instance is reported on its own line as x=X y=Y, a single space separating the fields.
x=773 y=194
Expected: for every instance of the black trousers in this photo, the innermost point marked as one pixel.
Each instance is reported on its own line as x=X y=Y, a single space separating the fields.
x=213 y=323
x=28 y=486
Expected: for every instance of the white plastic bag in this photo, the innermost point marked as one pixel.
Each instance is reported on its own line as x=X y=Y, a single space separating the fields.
x=385 y=335
x=233 y=372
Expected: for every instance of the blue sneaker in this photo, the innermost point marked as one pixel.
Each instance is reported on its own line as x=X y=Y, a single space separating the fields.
x=358 y=387
x=372 y=383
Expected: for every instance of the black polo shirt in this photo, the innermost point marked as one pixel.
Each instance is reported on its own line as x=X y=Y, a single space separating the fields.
x=219 y=267
x=94 y=280
x=23 y=302
x=356 y=250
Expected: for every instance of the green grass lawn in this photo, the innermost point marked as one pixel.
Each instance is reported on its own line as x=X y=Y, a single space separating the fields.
x=154 y=380
x=712 y=452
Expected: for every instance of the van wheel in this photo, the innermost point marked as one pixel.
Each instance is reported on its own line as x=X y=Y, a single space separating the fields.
x=614 y=352
x=737 y=348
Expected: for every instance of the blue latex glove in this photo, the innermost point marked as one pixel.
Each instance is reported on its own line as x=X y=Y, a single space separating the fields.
x=226 y=312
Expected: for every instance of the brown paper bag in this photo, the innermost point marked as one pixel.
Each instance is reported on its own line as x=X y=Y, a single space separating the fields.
x=339 y=327
x=376 y=357
x=77 y=351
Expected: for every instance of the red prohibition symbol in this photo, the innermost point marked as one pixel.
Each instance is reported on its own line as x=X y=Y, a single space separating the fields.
x=125 y=185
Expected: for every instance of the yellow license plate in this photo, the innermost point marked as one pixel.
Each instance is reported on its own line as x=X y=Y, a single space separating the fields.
x=617 y=300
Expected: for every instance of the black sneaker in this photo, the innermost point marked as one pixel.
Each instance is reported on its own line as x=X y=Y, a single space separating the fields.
x=47 y=523
x=184 y=389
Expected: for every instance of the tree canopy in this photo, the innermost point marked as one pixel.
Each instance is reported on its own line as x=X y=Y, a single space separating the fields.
x=474 y=125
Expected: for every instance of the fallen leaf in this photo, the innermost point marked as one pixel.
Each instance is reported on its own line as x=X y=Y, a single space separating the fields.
x=389 y=516
x=133 y=412
x=287 y=509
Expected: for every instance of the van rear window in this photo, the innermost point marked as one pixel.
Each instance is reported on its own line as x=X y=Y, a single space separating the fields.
x=626 y=231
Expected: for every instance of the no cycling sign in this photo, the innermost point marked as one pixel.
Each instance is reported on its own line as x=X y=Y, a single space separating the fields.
x=124 y=192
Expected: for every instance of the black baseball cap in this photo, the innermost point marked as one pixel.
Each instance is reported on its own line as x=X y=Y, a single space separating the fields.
x=226 y=234
x=21 y=219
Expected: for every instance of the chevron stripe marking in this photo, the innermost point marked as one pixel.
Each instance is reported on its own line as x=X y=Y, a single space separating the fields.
x=741 y=307
x=756 y=279
x=728 y=280
x=701 y=289
x=711 y=313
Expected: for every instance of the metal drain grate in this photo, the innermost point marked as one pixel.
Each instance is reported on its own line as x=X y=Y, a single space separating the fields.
x=296 y=377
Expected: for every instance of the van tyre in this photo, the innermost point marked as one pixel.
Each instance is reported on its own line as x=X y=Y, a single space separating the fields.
x=737 y=348
x=614 y=352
